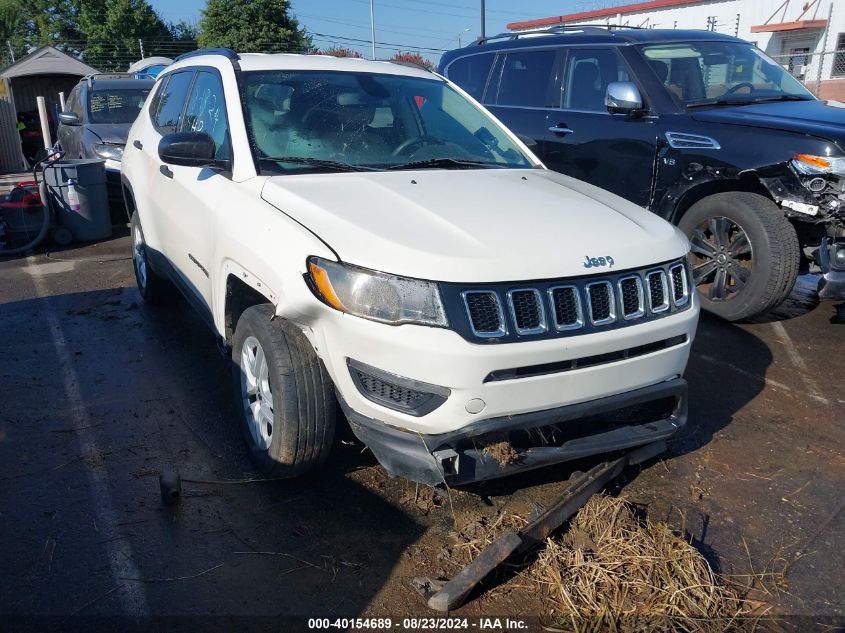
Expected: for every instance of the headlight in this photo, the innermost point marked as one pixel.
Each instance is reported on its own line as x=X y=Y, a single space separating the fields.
x=809 y=164
x=377 y=296
x=111 y=152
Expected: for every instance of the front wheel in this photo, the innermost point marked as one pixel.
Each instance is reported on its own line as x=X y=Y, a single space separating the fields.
x=744 y=254
x=284 y=396
x=153 y=287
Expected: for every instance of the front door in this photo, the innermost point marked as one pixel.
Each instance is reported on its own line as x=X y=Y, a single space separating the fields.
x=616 y=152
x=522 y=92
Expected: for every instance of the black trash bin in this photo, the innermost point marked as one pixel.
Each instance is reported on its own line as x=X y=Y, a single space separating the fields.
x=80 y=197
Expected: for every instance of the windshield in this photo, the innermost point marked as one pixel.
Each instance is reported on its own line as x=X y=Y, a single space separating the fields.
x=116 y=106
x=716 y=73
x=362 y=121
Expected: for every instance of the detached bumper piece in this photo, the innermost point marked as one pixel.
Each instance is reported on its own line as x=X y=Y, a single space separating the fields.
x=533 y=440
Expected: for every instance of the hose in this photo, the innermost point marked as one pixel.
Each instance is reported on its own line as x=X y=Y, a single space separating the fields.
x=45 y=219
x=45 y=226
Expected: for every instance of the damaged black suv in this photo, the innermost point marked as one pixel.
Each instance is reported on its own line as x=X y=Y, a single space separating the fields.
x=701 y=128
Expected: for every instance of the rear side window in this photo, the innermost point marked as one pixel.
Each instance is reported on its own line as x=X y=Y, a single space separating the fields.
x=526 y=76
x=206 y=112
x=471 y=73
x=587 y=74
x=170 y=103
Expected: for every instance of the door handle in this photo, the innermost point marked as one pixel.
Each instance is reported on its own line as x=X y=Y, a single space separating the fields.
x=560 y=128
x=164 y=169
x=138 y=144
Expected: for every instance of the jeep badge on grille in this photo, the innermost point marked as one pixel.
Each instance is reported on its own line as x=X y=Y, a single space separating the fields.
x=598 y=262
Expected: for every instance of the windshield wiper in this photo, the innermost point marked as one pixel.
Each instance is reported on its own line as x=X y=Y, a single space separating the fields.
x=455 y=163
x=740 y=102
x=318 y=162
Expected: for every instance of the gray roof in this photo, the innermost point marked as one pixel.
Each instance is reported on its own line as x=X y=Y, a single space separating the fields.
x=47 y=61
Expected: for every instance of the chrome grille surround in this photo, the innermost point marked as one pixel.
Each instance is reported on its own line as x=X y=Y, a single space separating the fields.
x=657 y=308
x=678 y=274
x=501 y=330
x=611 y=301
x=540 y=316
x=579 y=309
x=640 y=311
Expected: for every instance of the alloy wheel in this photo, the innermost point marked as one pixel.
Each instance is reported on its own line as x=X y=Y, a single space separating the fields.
x=722 y=258
x=139 y=257
x=255 y=392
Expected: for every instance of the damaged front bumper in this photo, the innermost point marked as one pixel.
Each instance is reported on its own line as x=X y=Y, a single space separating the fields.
x=534 y=439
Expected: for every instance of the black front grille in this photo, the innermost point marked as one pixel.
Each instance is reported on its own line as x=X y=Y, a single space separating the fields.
x=502 y=312
x=383 y=390
x=527 y=310
x=567 y=307
x=630 y=290
x=484 y=312
x=678 y=285
x=600 y=302
x=657 y=290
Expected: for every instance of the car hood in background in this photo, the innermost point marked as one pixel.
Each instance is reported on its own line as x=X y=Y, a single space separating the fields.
x=473 y=225
x=802 y=117
x=115 y=133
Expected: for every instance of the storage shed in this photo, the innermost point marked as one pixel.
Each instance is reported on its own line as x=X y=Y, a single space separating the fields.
x=45 y=72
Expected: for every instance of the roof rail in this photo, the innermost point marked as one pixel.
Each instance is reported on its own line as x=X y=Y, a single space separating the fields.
x=557 y=29
x=228 y=53
x=103 y=76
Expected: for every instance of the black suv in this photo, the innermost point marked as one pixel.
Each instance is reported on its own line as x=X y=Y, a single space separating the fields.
x=700 y=128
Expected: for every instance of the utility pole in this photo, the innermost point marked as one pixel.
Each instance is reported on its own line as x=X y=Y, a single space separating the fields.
x=141 y=44
x=483 y=30
x=373 y=25
x=11 y=51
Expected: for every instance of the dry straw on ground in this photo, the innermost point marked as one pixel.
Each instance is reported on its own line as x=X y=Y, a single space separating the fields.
x=614 y=572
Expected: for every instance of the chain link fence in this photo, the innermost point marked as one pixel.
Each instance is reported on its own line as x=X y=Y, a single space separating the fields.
x=815 y=70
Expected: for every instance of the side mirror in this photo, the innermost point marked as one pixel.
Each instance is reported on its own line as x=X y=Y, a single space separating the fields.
x=69 y=118
x=190 y=149
x=623 y=97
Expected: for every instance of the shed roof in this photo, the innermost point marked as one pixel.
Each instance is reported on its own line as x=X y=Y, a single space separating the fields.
x=47 y=60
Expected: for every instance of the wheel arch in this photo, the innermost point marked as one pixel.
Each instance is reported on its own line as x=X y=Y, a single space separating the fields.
x=242 y=291
x=746 y=182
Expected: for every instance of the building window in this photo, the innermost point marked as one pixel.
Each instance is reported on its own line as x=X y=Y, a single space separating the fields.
x=839 y=57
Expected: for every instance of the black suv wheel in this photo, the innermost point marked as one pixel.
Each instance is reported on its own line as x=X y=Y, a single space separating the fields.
x=745 y=253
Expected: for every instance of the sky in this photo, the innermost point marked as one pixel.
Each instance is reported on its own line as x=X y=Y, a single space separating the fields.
x=405 y=24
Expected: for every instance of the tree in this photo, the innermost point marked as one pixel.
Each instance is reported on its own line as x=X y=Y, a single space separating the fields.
x=54 y=22
x=252 y=26
x=11 y=31
x=412 y=58
x=112 y=29
x=337 y=51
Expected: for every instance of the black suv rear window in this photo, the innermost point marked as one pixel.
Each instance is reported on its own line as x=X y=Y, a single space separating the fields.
x=116 y=106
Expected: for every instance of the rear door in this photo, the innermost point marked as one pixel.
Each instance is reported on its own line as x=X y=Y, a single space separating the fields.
x=522 y=91
x=616 y=152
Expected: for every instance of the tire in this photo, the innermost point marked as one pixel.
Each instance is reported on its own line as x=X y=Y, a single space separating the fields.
x=745 y=254
x=294 y=436
x=153 y=287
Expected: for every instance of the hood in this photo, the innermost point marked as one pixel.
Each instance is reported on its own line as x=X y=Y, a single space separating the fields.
x=473 y=226
x=115 y=133
x=802 y=117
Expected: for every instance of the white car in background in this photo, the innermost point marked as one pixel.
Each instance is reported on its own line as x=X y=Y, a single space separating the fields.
x=364 y=233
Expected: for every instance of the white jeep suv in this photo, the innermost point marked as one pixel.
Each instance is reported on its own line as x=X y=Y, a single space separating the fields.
x=366 y=234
